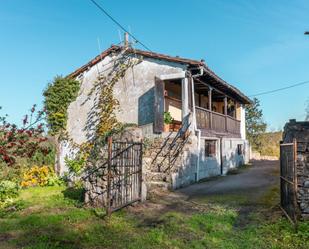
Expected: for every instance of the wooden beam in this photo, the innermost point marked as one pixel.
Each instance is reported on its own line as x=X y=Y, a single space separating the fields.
x=216 y=89
x=210 y=106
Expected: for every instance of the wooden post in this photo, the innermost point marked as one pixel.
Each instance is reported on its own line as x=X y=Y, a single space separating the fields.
x=109 y=165
x=210 y=106
x=235 y=108
x=225 y=112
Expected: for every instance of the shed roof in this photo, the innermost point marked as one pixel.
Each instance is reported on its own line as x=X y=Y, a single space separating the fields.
x=209 y=76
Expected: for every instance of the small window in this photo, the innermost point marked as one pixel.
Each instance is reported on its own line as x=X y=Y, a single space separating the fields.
x=210 y=148
x=239 y=149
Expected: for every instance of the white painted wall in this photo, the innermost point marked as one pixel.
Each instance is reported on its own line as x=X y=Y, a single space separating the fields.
x=242 y=122
x=209 y=166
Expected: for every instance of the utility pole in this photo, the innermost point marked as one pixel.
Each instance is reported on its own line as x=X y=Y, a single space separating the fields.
x=126 y=39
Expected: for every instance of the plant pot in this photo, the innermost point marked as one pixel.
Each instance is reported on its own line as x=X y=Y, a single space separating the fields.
x=166 y=127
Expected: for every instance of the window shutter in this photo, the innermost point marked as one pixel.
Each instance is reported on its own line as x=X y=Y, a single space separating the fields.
x=158 y=125
x=213 y=148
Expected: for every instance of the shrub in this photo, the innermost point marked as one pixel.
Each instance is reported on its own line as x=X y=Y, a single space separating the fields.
x=8 y=191
x=40 y=176
x=75 y=166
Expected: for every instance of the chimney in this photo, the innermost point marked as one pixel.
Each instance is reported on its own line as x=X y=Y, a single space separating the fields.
x=126 y=39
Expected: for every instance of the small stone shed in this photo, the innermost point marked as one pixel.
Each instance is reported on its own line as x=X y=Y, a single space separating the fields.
x=300 y=132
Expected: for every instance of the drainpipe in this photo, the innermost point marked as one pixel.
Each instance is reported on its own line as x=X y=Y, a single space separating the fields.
x=198 y=131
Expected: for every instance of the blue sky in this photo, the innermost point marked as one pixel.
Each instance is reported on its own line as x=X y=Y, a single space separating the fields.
x=255 y=45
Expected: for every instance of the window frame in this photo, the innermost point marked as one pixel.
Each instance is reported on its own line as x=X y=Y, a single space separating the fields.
x=210 y=148
x=240 y=150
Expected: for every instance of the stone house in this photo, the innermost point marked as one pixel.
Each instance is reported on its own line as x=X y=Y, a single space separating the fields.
x=157 y=84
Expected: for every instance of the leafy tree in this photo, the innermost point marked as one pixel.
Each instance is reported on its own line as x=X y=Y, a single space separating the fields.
x=22 y=142
x=255 y=125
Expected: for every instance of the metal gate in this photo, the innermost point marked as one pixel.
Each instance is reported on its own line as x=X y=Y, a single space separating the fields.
x=288 y=180
x=124 y=174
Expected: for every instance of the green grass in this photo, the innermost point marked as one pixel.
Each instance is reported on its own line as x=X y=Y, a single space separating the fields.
x=51 y=217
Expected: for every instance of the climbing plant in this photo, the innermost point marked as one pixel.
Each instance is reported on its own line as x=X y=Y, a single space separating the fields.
x=107 y=104
x=58 y=95
x=106 y=121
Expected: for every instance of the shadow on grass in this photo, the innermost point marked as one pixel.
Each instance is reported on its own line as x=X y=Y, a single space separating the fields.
x=75 y=194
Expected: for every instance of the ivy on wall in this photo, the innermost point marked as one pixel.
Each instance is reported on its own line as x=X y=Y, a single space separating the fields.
x=58 y=95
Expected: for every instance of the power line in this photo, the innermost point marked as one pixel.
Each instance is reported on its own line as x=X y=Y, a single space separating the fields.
x=280 y=89
x=119 y=25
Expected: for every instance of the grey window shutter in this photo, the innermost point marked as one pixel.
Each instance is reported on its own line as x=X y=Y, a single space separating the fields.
x=158 y=125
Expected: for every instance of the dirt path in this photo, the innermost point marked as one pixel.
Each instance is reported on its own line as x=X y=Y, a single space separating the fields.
x=249 y=183
x=247 y=190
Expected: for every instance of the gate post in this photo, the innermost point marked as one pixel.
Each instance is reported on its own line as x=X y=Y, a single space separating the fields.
x=109 y=157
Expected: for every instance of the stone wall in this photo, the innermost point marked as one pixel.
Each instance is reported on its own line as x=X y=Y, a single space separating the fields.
x=300 y=132
x=303 y=178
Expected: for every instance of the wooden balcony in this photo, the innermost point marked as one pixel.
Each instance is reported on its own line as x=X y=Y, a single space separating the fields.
x=217 y=122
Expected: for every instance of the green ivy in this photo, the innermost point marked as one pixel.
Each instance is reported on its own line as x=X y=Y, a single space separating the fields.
x=58 y=95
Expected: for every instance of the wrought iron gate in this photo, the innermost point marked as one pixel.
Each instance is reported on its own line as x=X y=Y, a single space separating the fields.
x=124 y=174
x=288 y=180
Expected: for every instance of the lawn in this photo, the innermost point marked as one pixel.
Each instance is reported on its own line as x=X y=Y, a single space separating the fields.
x=53 y=217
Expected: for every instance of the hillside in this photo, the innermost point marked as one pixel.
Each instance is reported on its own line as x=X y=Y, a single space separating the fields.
x=270 y=143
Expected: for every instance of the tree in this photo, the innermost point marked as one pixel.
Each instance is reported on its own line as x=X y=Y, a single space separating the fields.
x=255 y=125
x=21 y=142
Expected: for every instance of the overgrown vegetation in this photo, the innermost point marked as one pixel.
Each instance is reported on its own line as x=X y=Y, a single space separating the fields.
x=21 y=148
x=58 y=95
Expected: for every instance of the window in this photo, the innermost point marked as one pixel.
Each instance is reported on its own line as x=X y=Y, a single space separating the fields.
x=210 y=148
x=239 y=149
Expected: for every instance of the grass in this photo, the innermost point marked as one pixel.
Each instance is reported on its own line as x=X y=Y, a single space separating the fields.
x=51 y=218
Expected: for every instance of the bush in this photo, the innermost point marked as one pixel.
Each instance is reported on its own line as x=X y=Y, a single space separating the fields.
x=8 y=191
x=40 y=176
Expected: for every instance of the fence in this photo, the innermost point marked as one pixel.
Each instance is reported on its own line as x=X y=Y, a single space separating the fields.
x=288 y=180
x=117 y=182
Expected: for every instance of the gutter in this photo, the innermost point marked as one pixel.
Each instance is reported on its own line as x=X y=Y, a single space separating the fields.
x=198 y=131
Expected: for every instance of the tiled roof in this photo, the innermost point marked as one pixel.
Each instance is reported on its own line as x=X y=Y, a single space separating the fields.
x=220 y=83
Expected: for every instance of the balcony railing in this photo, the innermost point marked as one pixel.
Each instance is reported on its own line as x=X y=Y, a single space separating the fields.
x=215 y=121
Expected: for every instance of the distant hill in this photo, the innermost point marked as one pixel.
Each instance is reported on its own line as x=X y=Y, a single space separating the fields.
x=270 y=143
